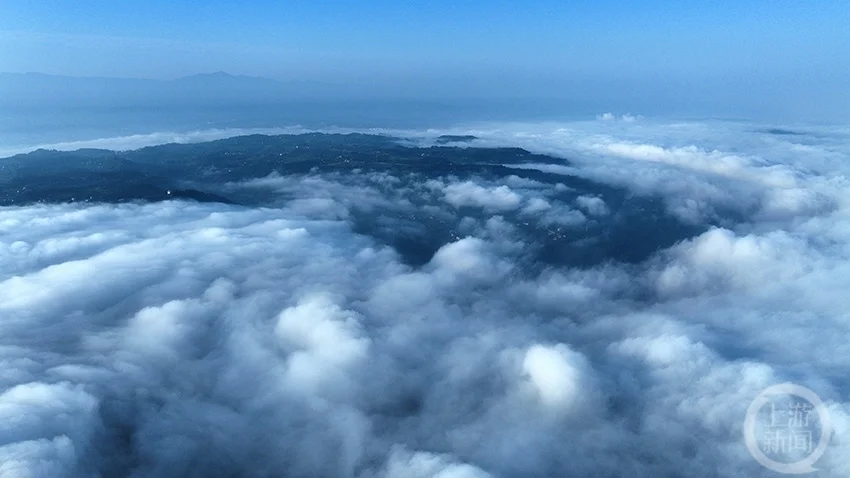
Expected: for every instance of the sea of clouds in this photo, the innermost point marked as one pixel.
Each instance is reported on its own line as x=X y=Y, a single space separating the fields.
x=180 y=339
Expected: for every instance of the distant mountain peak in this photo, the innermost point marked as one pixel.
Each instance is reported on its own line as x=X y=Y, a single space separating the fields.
x=223 y=75
x=215 y=74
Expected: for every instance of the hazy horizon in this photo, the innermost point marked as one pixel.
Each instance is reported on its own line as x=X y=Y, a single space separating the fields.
x=779 y=59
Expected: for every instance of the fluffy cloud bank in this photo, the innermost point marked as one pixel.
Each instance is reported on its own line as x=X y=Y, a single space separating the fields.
x=183 y=339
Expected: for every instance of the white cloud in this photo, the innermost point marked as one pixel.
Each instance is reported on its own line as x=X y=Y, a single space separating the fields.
x=174 y=339
x=468 y=193
x=557 y=374
x=428 y=465
x=593 y=205
x=628 y=118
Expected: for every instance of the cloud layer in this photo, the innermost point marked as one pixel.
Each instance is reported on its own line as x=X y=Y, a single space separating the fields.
x=298 y=338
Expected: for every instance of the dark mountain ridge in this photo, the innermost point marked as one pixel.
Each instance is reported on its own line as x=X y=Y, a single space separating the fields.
x=225 y=171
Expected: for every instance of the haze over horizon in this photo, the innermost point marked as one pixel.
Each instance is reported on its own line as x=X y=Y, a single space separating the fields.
x=779 y=59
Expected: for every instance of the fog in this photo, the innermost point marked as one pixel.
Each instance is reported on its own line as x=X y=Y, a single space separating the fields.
x=37 y=109
x=605 y=301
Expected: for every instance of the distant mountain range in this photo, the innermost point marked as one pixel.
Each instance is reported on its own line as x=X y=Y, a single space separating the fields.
x=34 y=89
x=222 y=79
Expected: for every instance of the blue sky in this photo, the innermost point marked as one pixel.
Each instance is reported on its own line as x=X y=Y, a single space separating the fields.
x=497 y=46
